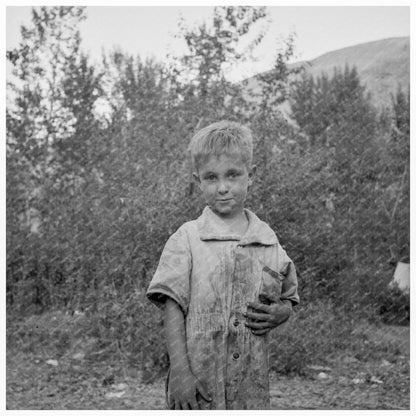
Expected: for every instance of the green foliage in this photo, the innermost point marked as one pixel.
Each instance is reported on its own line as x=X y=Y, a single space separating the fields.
x=50 y=136
x=277 y=83
x=92 y=198
x=401 y=111
x=394 y=306
x=213 y=48
x=323 y=106
x=363 y=191
x=38 y=114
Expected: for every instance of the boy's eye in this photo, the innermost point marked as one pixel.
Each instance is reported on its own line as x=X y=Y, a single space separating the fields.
x=233 y=174
x=210 y=177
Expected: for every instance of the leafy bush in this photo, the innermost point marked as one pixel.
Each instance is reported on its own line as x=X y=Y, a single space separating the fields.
x=394 y=306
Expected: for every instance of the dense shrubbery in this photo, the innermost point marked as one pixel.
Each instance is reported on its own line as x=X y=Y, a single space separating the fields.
x=394 y=306
x=91 y=199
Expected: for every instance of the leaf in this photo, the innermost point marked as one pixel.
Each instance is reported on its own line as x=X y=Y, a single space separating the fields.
x=358 y=381
x=120 y=386
x=376 y=380
x=319 y=368
x=115 y=395
x=79 y=356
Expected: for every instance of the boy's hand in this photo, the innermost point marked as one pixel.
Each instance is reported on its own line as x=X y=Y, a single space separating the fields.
x=261 y=318
x=185 y=390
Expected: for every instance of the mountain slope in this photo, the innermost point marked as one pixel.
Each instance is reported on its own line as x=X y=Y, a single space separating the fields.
x=382 y=65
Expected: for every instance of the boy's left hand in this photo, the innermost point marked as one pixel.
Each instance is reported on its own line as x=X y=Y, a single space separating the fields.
x=262 y=318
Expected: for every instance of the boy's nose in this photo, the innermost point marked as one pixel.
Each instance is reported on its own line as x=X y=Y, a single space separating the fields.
x=223 y=188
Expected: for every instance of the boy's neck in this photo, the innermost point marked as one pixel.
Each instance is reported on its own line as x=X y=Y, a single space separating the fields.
x=237 y=223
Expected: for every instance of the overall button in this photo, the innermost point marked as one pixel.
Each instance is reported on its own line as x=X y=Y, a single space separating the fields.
x=236 y=322
x=236 y=356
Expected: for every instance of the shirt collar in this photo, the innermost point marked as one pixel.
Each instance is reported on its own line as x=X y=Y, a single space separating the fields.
x=211 y=227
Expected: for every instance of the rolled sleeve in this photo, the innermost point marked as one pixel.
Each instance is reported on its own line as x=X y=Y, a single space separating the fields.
x=172 y=275
x=290 y=280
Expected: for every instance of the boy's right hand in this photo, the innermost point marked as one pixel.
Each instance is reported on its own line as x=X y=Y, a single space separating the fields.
x=185 y=390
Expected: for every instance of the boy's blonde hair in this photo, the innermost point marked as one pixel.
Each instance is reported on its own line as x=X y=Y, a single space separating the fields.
x=222 y=137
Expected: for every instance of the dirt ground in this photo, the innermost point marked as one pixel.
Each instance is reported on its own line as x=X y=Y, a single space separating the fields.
x=35 y=381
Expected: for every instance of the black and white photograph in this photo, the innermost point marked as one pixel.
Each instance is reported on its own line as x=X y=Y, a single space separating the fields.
x=207 y=207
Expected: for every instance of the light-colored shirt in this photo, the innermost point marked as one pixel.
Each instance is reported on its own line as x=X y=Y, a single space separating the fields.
x=212 y=273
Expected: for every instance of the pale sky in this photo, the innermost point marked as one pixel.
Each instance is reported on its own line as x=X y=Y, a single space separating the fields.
x=148 y=30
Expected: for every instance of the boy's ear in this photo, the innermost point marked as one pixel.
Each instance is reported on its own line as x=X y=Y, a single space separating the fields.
x=251 y=174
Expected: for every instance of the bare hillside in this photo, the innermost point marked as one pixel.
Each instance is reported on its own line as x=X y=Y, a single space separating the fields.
x=382 y=66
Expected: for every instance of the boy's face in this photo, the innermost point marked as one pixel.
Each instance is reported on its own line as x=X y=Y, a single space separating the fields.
x=224 y=181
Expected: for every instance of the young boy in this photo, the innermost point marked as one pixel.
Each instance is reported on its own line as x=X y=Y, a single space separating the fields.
x=224 y=282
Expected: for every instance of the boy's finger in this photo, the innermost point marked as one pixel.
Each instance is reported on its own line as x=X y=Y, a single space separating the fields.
x=202 y=392
x=260 y=331
x=186 y=406
x=259 y=306
x=177 y=406
x=194 y=405
x=257 y=325
x=255 y=315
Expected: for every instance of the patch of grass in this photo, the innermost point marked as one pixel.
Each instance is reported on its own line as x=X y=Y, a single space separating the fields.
x=317 y=334
x=320 y=333
x=55 y=331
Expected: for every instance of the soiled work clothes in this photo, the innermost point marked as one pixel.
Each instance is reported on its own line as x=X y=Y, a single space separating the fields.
x=211 y=273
